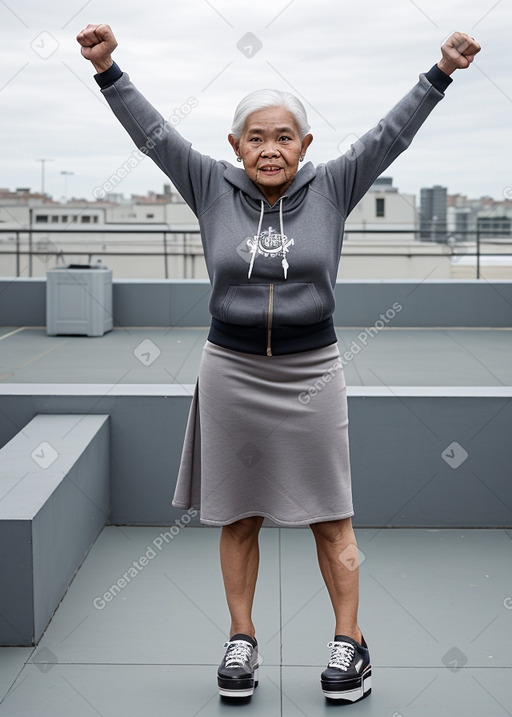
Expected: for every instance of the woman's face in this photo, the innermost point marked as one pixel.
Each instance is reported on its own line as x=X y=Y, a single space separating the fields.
x=270 y=147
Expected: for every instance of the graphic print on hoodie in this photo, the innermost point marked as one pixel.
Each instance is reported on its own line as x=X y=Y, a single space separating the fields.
x=269 y=243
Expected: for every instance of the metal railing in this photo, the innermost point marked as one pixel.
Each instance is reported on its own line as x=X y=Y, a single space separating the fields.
x=184 y=243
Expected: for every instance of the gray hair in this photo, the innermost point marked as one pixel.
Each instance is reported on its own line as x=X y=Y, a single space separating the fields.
x=261 y=99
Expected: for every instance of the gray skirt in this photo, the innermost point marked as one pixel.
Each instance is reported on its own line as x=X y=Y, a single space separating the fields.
x=267 y=436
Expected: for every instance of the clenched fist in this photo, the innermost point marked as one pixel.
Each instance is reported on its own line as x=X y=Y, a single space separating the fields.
x=98 y=44
x=459 y=51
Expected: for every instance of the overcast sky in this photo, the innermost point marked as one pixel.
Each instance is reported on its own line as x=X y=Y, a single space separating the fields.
x=349 y=63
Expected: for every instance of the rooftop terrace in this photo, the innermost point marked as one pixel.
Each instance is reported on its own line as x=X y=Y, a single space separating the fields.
x=430 y=415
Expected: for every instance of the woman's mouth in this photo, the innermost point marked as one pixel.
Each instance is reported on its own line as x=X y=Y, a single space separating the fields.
x=270 y=169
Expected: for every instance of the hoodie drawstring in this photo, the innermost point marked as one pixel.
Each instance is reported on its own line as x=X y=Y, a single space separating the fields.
x=254 y=246
x=284 y=240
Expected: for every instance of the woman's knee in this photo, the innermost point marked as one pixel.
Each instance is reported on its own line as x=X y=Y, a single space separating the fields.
x=245 y=528
x=334 y=531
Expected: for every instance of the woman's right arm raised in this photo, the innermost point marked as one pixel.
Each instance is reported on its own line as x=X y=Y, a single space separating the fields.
x=189 y=170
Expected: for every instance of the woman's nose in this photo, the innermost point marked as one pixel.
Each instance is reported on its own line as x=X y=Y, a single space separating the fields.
x=269 y=151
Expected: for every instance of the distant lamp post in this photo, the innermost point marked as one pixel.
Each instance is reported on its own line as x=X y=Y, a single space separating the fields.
x=43 y=161
x=66 y=175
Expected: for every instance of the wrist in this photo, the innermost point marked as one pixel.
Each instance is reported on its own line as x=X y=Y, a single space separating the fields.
x=447 y=67
x=103 y=66
x=109 y=77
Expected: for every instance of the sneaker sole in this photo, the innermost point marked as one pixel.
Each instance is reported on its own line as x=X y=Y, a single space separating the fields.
x=352 y=695
x=242 y=691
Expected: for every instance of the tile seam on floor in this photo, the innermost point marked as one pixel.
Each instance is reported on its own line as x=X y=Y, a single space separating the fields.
x=13 y=683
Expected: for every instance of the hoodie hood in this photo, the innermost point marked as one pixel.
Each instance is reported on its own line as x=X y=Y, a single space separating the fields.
x=238 y=178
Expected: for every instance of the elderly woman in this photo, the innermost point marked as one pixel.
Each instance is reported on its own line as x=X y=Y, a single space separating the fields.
x=267 y=435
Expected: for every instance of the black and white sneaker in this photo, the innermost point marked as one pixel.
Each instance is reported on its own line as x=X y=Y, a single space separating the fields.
x=237 y=675
x=348 y=675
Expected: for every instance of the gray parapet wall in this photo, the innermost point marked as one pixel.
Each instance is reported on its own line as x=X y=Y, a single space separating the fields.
x=168 y=302
x=421 y=456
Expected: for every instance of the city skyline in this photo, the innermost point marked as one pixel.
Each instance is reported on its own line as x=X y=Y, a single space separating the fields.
x=147 y=194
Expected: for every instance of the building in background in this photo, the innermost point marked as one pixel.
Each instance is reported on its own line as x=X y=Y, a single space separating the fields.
x=433 y=216
x=385 y=209
x=25 y=209
x=480 y=225
x=490 y=217
x=382 y=239
x=156 y=236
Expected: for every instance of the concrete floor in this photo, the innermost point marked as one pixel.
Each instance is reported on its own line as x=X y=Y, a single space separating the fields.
x=435 y=610
x=436 y=605
x=393 y=357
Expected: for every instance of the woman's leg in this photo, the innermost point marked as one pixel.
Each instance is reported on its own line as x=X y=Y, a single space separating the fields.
x=337 y=557
x=239 y=558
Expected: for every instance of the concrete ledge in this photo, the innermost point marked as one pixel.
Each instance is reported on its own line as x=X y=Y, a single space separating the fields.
x=359 y=303
x=406 y=469
x=54 y=501
x=187 y=389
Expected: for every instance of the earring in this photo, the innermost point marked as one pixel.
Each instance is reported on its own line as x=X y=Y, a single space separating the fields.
x=301 y=159
x=239 y=159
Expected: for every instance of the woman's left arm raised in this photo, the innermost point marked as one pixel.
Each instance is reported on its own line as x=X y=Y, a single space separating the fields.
x=351 y=175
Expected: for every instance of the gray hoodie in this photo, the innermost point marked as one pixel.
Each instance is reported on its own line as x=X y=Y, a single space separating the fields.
x=273 y=269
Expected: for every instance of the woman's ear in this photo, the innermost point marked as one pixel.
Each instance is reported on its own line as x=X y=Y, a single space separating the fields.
x=234 y=143
x=306 y=142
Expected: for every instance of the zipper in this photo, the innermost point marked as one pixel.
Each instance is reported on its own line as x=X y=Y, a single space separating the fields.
x=269 y=318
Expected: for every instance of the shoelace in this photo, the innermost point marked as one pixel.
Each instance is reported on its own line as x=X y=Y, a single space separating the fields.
x=237 y=653
x=342 y=655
